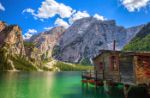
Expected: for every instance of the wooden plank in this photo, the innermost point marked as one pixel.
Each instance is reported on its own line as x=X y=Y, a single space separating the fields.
x=135 y=61
x=126 y=70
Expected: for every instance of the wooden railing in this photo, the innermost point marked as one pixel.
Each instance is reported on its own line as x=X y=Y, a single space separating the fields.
x=92 y=75
x=99 y=76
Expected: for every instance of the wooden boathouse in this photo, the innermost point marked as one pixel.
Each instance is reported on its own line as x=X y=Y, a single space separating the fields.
x=128 y=68
x=132 y=68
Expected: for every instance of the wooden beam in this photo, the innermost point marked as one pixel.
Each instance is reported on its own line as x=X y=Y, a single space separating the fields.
x=106 y=87
x=126 y=90
x=135 y=62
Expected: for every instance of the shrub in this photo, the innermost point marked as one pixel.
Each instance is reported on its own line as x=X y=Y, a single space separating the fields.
x=56 y=50
x=23 y=64
x=85 y=61
x=29 y=44
x=72 y=67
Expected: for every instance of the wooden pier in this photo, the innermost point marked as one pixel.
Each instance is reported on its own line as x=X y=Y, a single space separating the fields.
x=92 y=78
x=97 y=79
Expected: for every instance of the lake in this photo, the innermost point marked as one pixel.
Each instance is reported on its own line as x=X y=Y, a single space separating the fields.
x=50 y=85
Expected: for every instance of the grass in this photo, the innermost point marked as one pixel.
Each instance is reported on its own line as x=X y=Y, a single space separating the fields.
x=23 y=64
x=4 y=56
x=29 y=44
x=46 y=60
x=19 y=63
x=85 y=61
x=141 y=42
x=72 y=67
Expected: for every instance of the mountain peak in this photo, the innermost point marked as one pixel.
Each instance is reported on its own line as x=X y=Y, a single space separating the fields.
x=45 y=41
x=85 y=37
x=2 y=25
x=55 y=29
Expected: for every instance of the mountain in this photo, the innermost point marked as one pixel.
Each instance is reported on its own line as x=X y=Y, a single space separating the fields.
x=12 y=52
x=58 y=48
x=11 y=38
x=83 y=40
x=141 y=42
x=44 y=42
x=35 y=54
x=39 y=49
x=2 y=25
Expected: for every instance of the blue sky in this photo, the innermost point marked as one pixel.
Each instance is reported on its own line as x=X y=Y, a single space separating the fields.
x=39 y=15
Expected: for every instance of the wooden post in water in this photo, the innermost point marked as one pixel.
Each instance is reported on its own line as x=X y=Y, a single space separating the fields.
x=96 y=81
x=106 y=88
x=126 y=89
x=90 y=73
x=148 y=88
x=82 y=74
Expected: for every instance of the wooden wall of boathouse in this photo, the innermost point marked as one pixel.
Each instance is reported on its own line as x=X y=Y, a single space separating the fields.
x=125 y=67
x=103 y=64
x=142 y=69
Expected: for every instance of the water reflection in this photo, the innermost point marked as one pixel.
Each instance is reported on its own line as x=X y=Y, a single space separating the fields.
x=92 y=92
x=25 y=85
x=51 y=85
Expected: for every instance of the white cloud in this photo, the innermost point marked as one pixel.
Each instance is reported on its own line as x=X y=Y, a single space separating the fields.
x=99 y=17
x=133 y=5
x=28 y=10
x=29 y=34
x=61 y=22
x=78 y=15
x=47 y=28
x=50 y=8
x=2 y=8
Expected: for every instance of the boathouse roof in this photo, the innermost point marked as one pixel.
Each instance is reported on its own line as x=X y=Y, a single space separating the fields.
x=125 y=53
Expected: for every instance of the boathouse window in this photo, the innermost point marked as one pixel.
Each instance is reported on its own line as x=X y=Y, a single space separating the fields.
x=144 y=61
x=113 y=63
x=100 y=66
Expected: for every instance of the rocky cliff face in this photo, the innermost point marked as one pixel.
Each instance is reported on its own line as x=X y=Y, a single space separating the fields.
x=87 y=36
x=32 y=53
x=12 y=52
x=44 y=42
x=11 y=37
x=132 y=31
x=2 y=25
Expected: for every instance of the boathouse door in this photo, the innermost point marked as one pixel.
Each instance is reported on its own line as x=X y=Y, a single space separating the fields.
x=114 y=67
x=126 y=69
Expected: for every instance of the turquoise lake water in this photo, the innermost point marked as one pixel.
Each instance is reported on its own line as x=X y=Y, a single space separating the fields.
x=52 y=85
